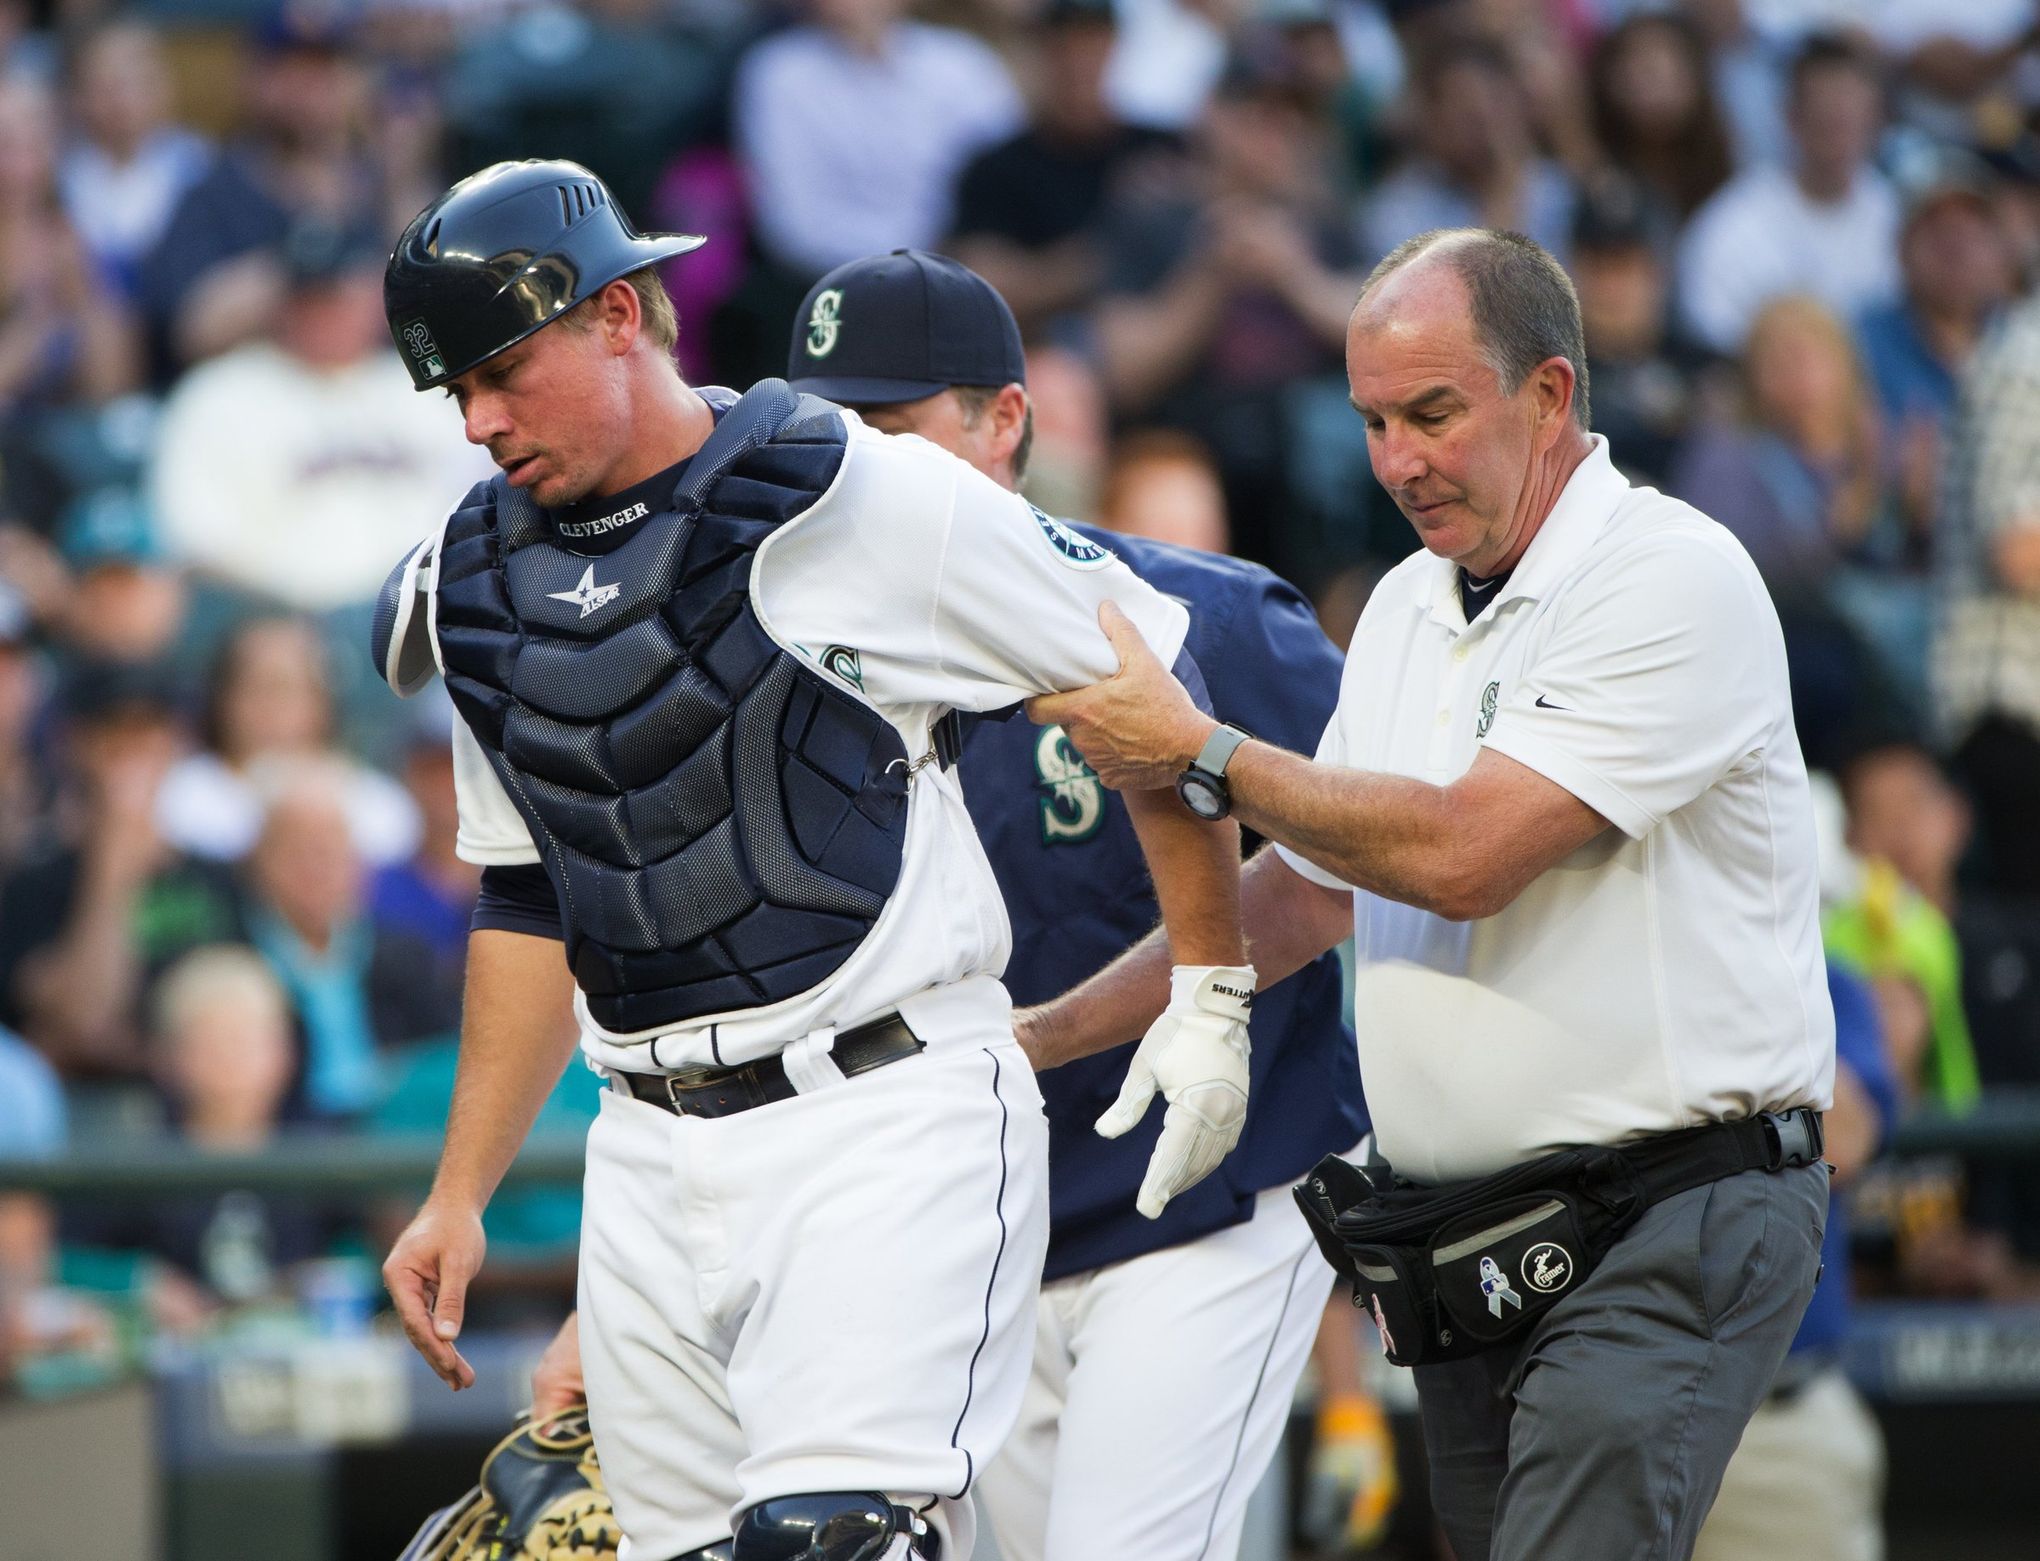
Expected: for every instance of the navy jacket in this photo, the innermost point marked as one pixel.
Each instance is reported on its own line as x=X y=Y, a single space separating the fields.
x=1078 y=894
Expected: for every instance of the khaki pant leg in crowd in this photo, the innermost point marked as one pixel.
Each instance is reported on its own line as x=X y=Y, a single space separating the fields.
x=1806 y=1484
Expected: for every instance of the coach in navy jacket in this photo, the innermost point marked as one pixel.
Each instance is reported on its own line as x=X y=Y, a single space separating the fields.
x=1076 y=891
x=1166 y=1350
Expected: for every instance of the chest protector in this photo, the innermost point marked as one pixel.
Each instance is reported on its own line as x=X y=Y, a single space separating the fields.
x=721 y=823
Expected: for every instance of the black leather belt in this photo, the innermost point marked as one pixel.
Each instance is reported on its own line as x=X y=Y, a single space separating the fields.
x=722 y=1092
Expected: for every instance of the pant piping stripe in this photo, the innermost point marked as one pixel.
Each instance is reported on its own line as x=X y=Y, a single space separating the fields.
x=1239 y=1441
x=991 y=1282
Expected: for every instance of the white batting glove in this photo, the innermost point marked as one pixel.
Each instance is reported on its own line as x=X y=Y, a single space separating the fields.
x=1196 y=1055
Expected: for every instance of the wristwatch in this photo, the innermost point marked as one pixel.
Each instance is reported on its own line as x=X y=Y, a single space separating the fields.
x=1202 y=787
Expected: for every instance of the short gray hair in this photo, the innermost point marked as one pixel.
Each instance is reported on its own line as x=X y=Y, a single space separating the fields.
x=1524 y=308
x=976 y=400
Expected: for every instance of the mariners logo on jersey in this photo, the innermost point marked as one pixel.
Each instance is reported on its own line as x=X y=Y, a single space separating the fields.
x=590 y=596
x=1490 y=697
x=824 y=322
x=1072 y=799
x=1078 y=552
x=843 y=662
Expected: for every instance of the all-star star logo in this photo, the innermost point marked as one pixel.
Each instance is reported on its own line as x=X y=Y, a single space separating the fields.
x=591 y=596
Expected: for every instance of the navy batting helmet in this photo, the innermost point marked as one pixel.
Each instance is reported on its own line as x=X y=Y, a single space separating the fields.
x=502 y=253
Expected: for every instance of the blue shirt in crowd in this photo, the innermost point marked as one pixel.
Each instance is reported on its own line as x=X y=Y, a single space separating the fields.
x=1078 y=893
x=1859 y=1047
x=32 y=1114
x=1910 y=381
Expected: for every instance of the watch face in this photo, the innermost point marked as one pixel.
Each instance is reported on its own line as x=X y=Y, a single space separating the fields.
x=1202 y=795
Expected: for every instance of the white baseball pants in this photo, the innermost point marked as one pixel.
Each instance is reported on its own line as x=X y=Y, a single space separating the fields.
x=1159 y=1392
x=829 y=1293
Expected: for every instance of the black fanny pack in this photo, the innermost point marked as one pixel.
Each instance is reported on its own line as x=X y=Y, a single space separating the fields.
x=1450 y=1271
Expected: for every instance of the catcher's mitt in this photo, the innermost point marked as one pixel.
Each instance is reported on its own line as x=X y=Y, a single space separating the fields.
x=541 y=1499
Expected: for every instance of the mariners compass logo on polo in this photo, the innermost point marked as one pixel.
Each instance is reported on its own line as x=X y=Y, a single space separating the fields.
x=824 y=322
x=845 y=663
x=418 y=340
x=590 y=596
x=1490 y=697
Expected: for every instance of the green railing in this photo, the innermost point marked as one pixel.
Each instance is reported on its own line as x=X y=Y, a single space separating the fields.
x=2005 y=1125
x=326 y=1163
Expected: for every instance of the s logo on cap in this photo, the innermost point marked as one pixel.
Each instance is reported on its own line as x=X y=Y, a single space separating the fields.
x=824 y=322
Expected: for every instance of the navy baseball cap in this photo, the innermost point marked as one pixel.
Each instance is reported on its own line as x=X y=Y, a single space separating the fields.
x=898 y=327
x=316 y=253
x=1614 y=214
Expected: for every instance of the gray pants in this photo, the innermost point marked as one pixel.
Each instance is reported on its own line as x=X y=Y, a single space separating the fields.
x=1604 y=1431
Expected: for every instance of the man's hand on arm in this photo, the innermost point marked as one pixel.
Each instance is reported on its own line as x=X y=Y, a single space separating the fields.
x=1461 y=851
x=1139 y=729
x=517 y=1034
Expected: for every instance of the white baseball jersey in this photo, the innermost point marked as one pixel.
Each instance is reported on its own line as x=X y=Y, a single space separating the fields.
x=921 y=586
x=1667 y=973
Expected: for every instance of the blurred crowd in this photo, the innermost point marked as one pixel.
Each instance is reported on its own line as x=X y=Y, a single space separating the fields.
x=1806 y=237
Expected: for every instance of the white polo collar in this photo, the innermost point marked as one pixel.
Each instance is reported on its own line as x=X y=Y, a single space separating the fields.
x=1585 y=504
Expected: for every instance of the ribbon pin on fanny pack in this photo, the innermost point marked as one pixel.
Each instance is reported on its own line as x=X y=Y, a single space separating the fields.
x=1494 y=1284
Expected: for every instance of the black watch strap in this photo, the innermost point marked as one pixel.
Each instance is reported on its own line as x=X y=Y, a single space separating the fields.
x=1218 y=750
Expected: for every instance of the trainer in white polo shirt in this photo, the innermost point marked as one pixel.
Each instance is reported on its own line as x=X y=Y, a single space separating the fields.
x=1667 y=972
x=1563 y=805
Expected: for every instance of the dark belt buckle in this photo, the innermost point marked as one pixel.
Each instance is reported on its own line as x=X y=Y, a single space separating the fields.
x=716 y=1092
x=1793 y=1137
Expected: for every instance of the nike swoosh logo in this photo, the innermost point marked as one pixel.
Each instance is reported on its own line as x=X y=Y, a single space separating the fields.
x=1545 y=704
